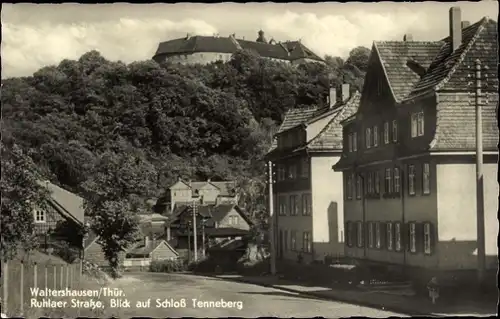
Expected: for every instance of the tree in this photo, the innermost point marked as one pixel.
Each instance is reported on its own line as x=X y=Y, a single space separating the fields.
x=115 y=194
x=359 y=57
x=21 y=195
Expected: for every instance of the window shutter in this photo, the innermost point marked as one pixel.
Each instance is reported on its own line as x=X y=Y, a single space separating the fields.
x=433 y=236
x=419 y=237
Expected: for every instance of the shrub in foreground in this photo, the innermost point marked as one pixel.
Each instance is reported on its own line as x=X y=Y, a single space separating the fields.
x=168 y=266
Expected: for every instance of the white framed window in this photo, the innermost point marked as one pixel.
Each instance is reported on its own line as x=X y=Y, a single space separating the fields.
x=370 y=234
x=389 y=236
x=375 y=136
x=305 y=167
x=40 y=216
x=349 y=143
x=354 y=141
x=414 y=125
x=370 y=183
x=359 y=232
x=358 y=187
x=397 y=237
x=397 y=184
x=306 y=242
x=368 y=137
x=426 y=183
x=413 y=237
x=420 y=124
x=294 y=209
x=282 y=205
x=427 y=238
x=378 y=237
x=377 y=182
x=388 y=181
x=349 y=234
x=236 y=220
x=394 y=131
x=306 y=204
x=292 y=171
x=411 y=179
x=293 y=240
x=386 y=133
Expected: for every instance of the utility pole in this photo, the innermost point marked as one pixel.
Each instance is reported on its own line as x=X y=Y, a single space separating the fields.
x=195 y=241
x=203 y=237
x=481 y=250
x=271 y=218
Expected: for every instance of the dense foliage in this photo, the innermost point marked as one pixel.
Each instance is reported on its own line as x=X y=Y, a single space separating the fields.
x=120 y=133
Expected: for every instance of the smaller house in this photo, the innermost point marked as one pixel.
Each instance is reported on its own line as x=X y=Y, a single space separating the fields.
x=143 y=253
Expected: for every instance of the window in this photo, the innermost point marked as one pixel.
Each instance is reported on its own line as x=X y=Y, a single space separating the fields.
x=293 y=240
x=358 y=187
x=388 y=181
x=368 y=137
x=426 y=187
x=354 y=141
x=420 y=124
x=397 y=236
x=349 y=142
x=285 y=240
x=389 y=236
x=294 y=205
x=305 y=167
x=40 y=216
x=292 y=171
x=370 y=183
x=396 y=180
x=413 y=237
x=394 y=131
x=378 y=239
x=236 y=220
x=281 y=172
x=377 y=183
x=306 y=242
x=417 y=124
x=306 y=204
x=386 y=133
x=282 y=205
x=427 y=238
x=349 y=233
x=370 y=235
x=375 y=136
x=349 y=186
x=359 y=233
x=411 y=179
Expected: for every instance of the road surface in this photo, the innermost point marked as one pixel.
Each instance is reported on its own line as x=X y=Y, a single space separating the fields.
x=247 y=300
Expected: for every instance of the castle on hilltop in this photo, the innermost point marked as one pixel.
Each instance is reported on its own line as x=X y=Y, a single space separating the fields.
x=207 y=49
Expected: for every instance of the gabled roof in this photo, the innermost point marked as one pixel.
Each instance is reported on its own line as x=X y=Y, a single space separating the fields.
x=330 y=137
x=140 y=250
x=226 y=188
x=68 y=204
x=394 y=57
x=295 y=117
x=298 y=51
x=445 y=64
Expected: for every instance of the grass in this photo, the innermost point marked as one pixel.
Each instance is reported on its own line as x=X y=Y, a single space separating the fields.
x=44 y=271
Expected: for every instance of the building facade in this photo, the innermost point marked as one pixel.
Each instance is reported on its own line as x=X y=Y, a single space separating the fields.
x=206 y=49
x=409 y=155
x=308 y=209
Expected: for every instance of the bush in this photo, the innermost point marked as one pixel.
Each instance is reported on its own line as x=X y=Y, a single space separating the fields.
x=168 y=266
x=203 y=266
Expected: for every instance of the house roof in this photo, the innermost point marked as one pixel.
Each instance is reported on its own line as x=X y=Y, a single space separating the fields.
x=226 y=188
x=226 y=231
x=230 y=244
x=141 y=250
x=330 y=137
x=68 y=204
x=154 y=217
x=394 y=57
x=284 y=51
x=480 y=37
x=213 y=213
x=296 y=116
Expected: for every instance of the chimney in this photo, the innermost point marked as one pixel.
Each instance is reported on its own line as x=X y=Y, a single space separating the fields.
x=408 y=37
x=455 y=28
x=345 y=92
x=332 y=98
x=465 y=24
x=146 y=241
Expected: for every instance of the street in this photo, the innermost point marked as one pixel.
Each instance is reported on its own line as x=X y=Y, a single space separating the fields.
x=247 y=300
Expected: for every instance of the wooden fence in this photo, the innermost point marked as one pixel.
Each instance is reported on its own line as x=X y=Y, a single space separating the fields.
x=20 y=279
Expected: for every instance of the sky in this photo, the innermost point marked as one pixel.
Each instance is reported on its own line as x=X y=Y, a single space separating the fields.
x=37 y=35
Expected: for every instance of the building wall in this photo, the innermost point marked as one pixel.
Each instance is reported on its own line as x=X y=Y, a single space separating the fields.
x=242 y=224
x=180 y=192
x=457 y=215
x=52 y=218
x=196 y=57
x=327 y=207
x=209 y=193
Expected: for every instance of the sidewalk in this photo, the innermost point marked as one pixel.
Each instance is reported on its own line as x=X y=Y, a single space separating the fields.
x=396 y=301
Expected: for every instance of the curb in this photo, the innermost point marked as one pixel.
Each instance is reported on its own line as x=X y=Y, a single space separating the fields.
x=400 y=310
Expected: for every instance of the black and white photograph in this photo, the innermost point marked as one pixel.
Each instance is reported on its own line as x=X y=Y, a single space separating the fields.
x=289 y=160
